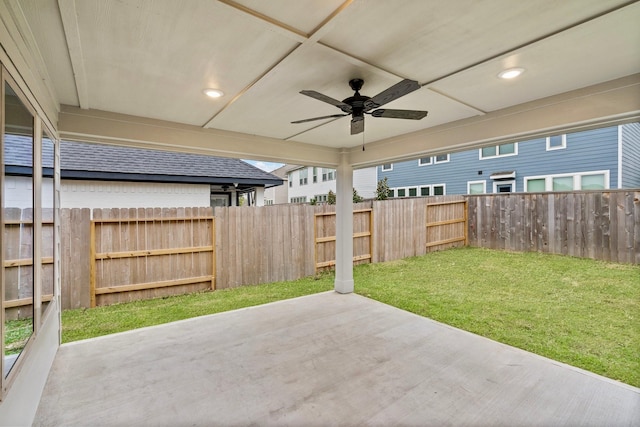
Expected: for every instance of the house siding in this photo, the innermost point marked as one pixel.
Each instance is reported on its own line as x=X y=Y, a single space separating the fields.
x=120 y=194
x=593 y=150
x=364 y=181
x=630 y=156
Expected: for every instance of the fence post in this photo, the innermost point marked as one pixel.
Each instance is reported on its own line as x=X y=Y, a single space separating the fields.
x=92 y=264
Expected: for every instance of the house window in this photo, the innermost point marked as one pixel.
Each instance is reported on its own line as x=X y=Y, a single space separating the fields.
x=535 y=185
x=510 y=149
x=442 y=158
x=290 y=179
x=592 y=182
x=268 y=202
x=315 y=175
x=321 y=198
x=328 y=174
x=562 y=183
x=387 y=167
x=596 y=180
x=425 y=190
x=424 y=161
x=301 y=199
x=476 y=187
x=557 y=142
x=303 y=175
x=504 y=186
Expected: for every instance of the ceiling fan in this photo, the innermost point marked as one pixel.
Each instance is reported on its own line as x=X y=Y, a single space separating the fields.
x=359 y=105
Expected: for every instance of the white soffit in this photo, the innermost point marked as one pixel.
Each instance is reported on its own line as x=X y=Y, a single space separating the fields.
x=566 y=61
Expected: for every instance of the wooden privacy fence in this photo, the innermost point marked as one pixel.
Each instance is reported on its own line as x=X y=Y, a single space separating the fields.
x=324 y=227
x=18 y=261
x=446 y=224
x=602 y=225
x=140 y=253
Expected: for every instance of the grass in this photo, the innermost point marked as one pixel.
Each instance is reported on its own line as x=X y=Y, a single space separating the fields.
x=16 y=335
x=578 y=311
x=88 y=323
x=581 y=312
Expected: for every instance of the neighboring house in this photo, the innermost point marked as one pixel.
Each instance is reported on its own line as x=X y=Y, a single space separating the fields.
x=105 y=176
x=606 y=158
x=280 y=194
x=306 y=183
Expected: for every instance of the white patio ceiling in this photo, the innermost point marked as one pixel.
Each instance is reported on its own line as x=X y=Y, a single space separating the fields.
x=151 y=59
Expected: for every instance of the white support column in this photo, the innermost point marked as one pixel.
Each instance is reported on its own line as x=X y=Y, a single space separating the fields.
x=259 y=196
x=344 y=226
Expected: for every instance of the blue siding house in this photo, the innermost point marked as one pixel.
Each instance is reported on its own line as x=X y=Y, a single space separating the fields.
x=606 y=158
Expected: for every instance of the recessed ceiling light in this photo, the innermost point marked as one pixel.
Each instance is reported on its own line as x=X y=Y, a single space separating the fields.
x=213 y=93
x=511 y=73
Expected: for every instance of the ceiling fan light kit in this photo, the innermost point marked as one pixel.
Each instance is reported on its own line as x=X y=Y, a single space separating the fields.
x=358 y=105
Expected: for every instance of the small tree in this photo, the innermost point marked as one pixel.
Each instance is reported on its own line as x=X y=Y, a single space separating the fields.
x=382 y=190
x=331 y=198
x=313 y=202
x=356 y=197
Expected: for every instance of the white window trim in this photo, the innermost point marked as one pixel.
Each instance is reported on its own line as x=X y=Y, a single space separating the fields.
x=561 y=147
x=436 y=161
x=425 y=164
x=620 y=142
x=577 y=179
x=484 y=186
x=515 y=152
x=419 y=190
x=511 y=182
x=386 y=170
x=444 y=189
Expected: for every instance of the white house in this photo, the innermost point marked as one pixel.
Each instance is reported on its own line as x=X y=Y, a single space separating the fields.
x=103 y=176
x=306 y=183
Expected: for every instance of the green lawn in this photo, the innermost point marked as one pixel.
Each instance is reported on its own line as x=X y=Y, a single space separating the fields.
x=578 y=311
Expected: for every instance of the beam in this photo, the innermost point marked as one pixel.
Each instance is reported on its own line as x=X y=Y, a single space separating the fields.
x=72 y=35
x=97 y=126
x=605 y=104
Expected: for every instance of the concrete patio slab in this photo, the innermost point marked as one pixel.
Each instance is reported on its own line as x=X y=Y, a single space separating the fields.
x=324 y=359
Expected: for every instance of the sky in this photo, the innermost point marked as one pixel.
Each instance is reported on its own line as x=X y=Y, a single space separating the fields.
x=265 y=166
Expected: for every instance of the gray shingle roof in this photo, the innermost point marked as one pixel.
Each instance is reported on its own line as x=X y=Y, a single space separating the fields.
x=100 y=159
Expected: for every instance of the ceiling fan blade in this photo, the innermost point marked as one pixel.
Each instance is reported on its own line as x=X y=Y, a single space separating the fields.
x=394 y=92
x=324 y=98
x=320 y=118
x=400 y=114
x=357 y=126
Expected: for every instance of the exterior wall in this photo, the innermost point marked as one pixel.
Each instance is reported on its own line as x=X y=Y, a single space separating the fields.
x=18 y=192
x=630 y=156
x=279 y=194
x=594 y=150
x=364 y=181
x=119 y=194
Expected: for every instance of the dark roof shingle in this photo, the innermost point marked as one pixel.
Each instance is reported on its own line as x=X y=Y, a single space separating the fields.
x=113 y=159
